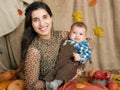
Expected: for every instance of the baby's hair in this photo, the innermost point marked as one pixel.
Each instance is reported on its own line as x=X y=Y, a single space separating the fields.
x=79 y=24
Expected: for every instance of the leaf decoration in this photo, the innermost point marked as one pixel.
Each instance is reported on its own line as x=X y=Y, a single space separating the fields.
x=98 y=31
x=92 y=2
x=20 y=12
x=77 y=16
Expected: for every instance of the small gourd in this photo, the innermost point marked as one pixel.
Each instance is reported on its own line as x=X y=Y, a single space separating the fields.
x=7 y=75
x=4 y=85
x=17 y=85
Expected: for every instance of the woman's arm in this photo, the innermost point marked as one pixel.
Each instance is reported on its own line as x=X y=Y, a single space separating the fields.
x=32 y=70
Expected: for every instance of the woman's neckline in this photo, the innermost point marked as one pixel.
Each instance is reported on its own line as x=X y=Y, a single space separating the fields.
x=47 y=41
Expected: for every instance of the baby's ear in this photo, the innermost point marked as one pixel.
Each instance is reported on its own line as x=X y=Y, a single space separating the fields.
x=91 y=42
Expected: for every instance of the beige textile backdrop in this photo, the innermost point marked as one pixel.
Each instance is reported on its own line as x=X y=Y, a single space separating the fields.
x=106 y=53
x=105 y=13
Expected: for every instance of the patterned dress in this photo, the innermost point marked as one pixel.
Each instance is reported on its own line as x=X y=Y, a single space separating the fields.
x=40 y=59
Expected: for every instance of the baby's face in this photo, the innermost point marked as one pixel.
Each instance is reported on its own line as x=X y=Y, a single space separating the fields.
x=78 y=34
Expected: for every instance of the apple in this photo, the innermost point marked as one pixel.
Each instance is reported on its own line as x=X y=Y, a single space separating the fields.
x=107 y=76
x=112 y=85
x=99 y=74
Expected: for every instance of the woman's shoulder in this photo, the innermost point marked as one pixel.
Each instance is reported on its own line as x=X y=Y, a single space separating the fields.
x=35 y=43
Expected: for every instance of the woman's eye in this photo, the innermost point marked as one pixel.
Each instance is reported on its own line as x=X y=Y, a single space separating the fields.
x=45 y=16
x=35 y=19
x=81 y=34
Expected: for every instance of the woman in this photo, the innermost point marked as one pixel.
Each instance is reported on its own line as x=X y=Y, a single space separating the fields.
x=40 y=44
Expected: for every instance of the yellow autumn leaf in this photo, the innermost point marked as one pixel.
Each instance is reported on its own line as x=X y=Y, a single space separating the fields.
x=77 y=16
x=98 y=31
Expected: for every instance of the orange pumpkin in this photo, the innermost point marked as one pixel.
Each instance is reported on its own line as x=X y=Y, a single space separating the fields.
x=17 y=85
x=7 y=75
x=4 y=85
x=81 y=86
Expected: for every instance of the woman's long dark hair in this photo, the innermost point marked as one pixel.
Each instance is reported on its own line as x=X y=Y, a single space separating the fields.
x=29 y=34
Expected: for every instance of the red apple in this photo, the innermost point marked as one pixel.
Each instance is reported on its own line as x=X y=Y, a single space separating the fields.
x=112 y=85
x=107 y=76
x=99 y=74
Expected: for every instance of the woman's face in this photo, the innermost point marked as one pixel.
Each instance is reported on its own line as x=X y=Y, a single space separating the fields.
x=42 y=23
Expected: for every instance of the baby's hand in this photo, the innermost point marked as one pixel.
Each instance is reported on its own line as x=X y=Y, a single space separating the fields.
x=79 y=71
x=76 y=56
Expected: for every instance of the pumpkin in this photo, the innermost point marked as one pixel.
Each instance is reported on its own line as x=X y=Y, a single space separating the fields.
x=81 y=86
x=4 y=85
x=7 y=75
x=17 y=85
